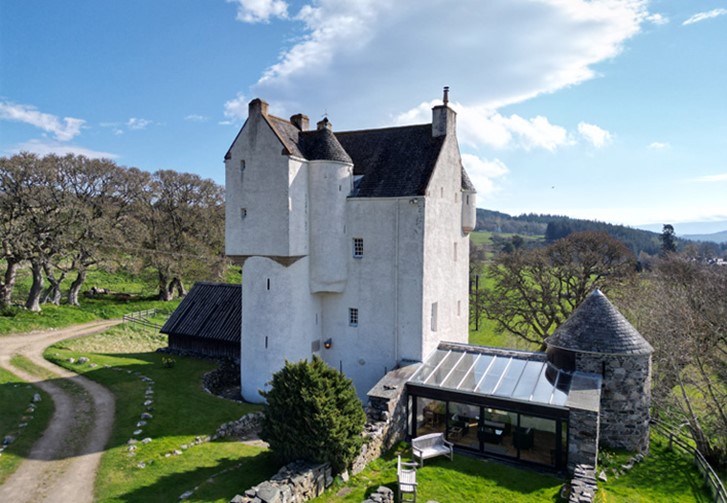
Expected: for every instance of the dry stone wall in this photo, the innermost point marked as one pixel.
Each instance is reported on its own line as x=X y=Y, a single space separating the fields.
x=294 y=483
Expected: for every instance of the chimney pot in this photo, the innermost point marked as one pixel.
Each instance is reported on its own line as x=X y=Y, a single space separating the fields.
x=257 y=107
x=300 y=121
x=324 y=124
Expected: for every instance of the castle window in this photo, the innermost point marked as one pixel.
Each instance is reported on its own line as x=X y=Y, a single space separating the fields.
x=435 y=309
x=459 y=308
x=353 y=316
x=268 y=285
x=357 y=247
x=242 y=166
x=243 y=212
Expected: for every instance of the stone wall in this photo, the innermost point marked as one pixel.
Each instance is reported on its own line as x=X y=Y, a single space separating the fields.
x=582 y=438
x=625 y=398
x=294 y=483
x=386 y=416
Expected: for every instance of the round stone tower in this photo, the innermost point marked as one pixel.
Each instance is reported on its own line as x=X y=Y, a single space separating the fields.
x=597 y=339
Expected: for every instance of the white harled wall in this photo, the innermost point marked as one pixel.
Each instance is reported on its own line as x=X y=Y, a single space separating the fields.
x=278 y=323
x=446 y=255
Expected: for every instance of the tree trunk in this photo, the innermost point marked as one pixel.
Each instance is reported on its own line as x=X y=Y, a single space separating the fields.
x=76 y=287
x=8 y=284
x=53 y=293
x=165 y=292
x=177 y=284
x=36 y=289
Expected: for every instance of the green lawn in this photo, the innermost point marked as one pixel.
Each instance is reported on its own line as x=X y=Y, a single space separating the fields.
x=668 y=476
x=181 y=410
x=465 y=479
x=15 y=399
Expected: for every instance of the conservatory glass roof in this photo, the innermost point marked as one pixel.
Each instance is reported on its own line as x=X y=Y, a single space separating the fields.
x=508 y=374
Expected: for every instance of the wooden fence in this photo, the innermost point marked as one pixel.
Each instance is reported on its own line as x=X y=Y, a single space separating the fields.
x=711 y=479
x=141 y=317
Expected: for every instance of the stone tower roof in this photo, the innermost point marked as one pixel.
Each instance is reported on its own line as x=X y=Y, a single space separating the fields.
x=322 y=145
x=596 y=326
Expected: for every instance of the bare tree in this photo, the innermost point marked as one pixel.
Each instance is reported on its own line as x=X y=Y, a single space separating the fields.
x=681 y=310
x=183 y=220
x=534 y=291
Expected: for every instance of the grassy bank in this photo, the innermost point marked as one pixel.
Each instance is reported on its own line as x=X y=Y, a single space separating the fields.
x=183 y=415
x=16 y=397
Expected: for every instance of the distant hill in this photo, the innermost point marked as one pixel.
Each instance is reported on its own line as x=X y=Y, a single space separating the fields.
x=717 y=237
x=686 y=229
x=553 y=227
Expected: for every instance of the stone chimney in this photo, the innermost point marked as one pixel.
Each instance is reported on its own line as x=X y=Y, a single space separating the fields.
x=324 y=124
x=257 y=107
x=444 y=119
x=300 y=121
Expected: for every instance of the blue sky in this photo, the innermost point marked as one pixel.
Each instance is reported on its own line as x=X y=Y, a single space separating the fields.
x=605 y=109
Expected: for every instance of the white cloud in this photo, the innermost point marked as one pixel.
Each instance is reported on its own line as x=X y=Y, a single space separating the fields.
x=63 y=129
x=136 y=123
x=41 y=147
x=722 y=177
x=594 y=135
x=703 y=16
x=658 y=145
x=235 y=109
x=483 y=173
x=480 y=126
x=260 y=11
x=491 y=53
x=657 y=19
x=196 y=118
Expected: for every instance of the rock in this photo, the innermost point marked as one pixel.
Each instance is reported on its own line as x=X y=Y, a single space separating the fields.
x=131 y=448
x=602 y=476
x=146 y=440
x=36 y=398
x=22 y=425
x=140 y=424
x=141 y=465
x=269 y=493
x=82 y=360
x=147 y=403
x=145 y=416
x=71 y=360
x=344 y=476
x=9 y=439
x=237 y=499
x=177 y=452
x=186 y=495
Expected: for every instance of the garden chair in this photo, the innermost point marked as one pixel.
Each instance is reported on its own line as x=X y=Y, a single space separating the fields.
x=406 y=475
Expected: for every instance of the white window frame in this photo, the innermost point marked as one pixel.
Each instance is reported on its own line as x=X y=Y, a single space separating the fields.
x=353 y=316
x=358 y=247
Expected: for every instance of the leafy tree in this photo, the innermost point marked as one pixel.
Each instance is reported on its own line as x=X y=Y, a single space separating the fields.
x=313 y=413
x=535 y=290
x=668 y=240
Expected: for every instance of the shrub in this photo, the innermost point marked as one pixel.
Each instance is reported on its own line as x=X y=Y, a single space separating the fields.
x=313 y=413
x=168 y=362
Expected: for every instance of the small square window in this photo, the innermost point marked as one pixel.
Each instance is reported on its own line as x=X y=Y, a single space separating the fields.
x=358 y=247
x=242 y=165
x=243 y=212
x=353 y=316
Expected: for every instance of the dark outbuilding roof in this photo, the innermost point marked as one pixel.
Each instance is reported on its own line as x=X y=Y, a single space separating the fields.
x=209 y=311
x=596 y=326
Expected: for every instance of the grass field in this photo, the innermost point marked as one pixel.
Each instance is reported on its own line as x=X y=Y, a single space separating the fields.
x=182 y=411
x=15 y=399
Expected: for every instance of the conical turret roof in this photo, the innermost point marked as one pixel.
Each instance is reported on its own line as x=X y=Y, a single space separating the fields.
x=322 y=145
x=596 y=326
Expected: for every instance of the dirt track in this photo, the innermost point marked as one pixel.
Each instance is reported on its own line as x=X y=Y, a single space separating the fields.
x=62 y=464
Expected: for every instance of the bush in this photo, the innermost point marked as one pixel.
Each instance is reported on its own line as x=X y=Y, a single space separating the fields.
x=168 y=362
x=313 y=413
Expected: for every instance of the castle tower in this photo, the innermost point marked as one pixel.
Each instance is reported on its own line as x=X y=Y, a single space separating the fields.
x=597 y=339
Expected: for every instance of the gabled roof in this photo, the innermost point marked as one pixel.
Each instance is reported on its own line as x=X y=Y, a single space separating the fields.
x=596 y=326
x=394 y=162
x=209 y=311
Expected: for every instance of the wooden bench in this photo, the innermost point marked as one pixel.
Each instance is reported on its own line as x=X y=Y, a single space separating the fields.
x=431 y=445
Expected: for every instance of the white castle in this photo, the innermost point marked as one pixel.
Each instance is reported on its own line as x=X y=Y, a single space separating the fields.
x=354 y=245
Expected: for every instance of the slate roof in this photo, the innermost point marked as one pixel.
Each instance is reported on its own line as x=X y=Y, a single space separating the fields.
x=210 y=311
x=596 y=326
x=394 y=162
